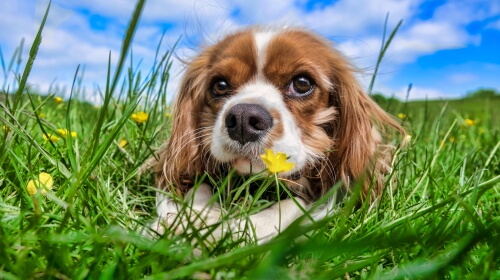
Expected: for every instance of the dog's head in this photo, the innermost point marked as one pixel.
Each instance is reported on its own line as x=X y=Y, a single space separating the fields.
x=283 y=89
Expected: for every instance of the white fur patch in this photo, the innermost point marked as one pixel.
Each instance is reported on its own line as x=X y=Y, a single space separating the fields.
x=203 y=213
x=262 y=39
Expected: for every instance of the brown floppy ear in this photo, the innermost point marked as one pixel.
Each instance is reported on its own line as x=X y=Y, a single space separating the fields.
x=179 y=159
x=359 y=151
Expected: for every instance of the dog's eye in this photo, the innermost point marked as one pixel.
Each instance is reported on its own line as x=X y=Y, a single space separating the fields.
x=220 y=87
x=300 y=86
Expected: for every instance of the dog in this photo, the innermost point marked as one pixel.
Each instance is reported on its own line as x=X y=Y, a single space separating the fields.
x=281 y=89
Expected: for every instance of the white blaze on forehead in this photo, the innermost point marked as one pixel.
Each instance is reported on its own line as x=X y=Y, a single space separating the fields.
x=262 y=39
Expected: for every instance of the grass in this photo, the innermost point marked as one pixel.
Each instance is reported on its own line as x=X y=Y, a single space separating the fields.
x=441 y=221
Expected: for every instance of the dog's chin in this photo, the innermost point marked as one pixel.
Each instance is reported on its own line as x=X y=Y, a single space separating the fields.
x=246 y=166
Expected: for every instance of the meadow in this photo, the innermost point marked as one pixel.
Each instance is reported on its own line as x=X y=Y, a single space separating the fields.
x=72 y=205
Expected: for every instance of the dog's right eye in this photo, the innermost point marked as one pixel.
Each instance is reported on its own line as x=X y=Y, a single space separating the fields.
x=220 y=87
x=300 y=86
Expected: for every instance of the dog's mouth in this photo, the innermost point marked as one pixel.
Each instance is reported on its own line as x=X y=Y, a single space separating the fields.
x=245 y=166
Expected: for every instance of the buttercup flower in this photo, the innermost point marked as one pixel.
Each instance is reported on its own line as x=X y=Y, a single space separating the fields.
x=123 y=143
x=167 y=115
x=50 y=137
x=402 y=116
x=139 y=117
x=44 y=183
x=58 y=100
x=276 y=162
x=64 y=133
x=470 y=122
x=407 y=139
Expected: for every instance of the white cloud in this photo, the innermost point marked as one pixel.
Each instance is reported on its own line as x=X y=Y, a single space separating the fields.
x=359 y=17
x=427 y=38
x=464 y=12
x=263 y=12
x=356 y=26
x=494 y=24
x=420 y=93
x=462 y=78
x=16 y=22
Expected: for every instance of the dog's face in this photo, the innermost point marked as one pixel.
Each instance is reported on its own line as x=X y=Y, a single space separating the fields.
x=286 y=90
x=268 y=91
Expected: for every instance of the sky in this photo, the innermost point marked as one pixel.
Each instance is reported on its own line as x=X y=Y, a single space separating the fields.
x=445 y=49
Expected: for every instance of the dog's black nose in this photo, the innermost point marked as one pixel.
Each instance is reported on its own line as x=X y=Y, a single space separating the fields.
x=247 y=122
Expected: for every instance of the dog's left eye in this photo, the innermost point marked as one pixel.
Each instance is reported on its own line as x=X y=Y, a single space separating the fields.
x=220 y=87
x=300 y=86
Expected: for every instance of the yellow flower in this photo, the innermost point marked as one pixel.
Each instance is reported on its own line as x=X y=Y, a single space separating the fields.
x=123 y=143
x=58 y=100
x=402 y=116
x=452 y=139
x=44 y=183
x=470 y=122
x=50 y=137
x=41 y=115
x=31 y=188
x=5 y=128
x=276 y=162
x=64 y=133
x=407 y=139
x=167 y=115
x=140 y=117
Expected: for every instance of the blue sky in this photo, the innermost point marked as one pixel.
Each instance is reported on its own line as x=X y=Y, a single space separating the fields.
x=444 y=48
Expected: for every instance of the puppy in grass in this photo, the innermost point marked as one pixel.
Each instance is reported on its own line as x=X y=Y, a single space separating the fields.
x=269 y=101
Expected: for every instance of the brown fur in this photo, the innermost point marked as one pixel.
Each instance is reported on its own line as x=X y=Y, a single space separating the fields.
x=339 y=122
